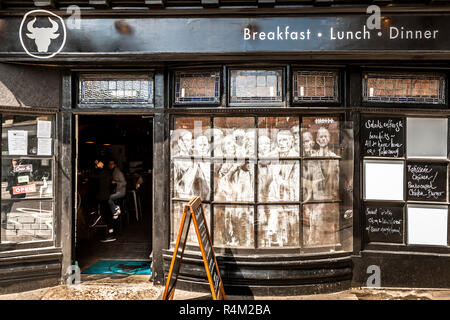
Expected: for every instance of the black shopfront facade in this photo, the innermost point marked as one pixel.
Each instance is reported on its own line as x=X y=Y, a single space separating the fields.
x=319 y=146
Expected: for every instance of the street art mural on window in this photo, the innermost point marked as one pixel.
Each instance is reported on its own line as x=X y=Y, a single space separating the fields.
x=269 y=182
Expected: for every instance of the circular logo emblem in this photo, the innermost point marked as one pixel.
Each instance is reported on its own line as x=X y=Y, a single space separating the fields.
x=42 y=37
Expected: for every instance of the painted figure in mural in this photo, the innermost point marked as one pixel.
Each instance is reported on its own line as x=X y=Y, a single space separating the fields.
x=235 y=183
x=191 y=177
x=320 y=178
x=239 y=141
x=308 y=144
x=285 y=186
x=184 y=142
x=182 y=147
x=285 y=143
x=217 y=135
x=264 y=168
x=313 y=215
x=264 y=146
x=329 y=186
x=295 y=130
x=201 y=146
x=198 y=175
x=249 y=143
x=323 y=139
x=320 y=224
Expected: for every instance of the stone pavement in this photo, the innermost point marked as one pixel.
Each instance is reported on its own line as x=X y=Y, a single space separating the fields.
x=138 y=287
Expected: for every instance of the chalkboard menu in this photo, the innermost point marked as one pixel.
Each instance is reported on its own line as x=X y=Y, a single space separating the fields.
x=209 y=258
x=383 y=137
x=427 y=181
x=384 y=224
x=178 y=254
x=194 y=211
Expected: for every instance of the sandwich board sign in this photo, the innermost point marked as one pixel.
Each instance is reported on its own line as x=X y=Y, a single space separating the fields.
x=193 y=211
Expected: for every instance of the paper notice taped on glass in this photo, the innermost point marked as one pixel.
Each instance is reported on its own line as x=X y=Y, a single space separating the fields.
x=44 y=147
x=18 y=142
x=44 y=129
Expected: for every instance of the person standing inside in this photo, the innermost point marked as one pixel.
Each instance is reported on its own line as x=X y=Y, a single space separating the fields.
x=103 y=191
x=118 y=179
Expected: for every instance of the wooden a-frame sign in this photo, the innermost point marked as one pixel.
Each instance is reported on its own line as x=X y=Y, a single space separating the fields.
x=194 y=211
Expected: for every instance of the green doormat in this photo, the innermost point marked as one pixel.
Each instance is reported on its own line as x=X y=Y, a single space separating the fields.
x=120 y=267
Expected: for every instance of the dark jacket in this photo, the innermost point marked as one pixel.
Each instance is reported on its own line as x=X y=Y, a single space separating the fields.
x=104 y=180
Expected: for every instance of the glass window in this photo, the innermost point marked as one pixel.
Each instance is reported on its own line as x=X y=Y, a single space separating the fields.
x=251 y=174
x=320 y=180
x=27 y=136
x=278 y=226
x=315 y=86
x=116 y=89
x=233 y=181
x=27 y=178
x=427 y=137
x=197 y=87
x=27 y=221
x=427 y=225
x=256 y=86
x=320 y=136
x=233 y=226
x=320 y=224
x=404 y=88
x=383 y=180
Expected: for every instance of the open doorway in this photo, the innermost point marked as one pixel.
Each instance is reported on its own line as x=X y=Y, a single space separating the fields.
x=128 y=141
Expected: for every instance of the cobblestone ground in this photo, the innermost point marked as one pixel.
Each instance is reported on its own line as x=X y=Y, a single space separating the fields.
x=140 y=288
x=95 y=288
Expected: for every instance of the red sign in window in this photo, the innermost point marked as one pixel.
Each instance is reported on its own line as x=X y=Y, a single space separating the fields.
x=24 y=189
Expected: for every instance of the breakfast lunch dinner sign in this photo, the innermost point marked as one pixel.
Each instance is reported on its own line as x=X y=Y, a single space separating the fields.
x=48 y=35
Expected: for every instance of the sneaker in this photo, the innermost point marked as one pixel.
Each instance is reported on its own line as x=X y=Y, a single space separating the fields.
x=117 y=213
x=95 y=221
x=109 y=238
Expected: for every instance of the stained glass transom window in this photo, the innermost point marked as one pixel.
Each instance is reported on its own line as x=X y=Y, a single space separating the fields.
x=197 y=87
x=314 y=86
x=256 y=86
x=123 y=89
x=404 y=88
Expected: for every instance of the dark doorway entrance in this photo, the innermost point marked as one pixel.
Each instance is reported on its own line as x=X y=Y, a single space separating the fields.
x=128 y=140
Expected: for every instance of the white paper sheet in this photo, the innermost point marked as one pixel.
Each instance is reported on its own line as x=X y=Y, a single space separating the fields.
x=44 y=147
x=427 y=225
x=383 y=180
x=44 y=129
x=18 y=142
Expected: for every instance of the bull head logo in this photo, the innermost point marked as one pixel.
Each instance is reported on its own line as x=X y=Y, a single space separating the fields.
x=42 y=36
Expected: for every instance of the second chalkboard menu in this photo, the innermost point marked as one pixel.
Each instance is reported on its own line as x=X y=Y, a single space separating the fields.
x=383 y=137
x=384 y=224
x=427 y=181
